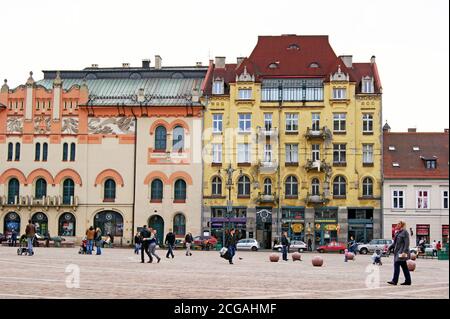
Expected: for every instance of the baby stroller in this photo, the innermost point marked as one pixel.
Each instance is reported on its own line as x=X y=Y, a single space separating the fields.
x=23 y=246
x=83 y=247
x=376 y=257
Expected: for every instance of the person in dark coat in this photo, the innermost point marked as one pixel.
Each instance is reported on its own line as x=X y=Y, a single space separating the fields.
x=401 y=254
x=188 y=239
x=170 y=242
x=285 y=246
x=145 y=243
x=230 y=243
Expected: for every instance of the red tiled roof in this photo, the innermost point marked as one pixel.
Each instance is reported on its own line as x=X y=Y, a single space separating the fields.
x=228 y=74
x=361 y=70
x=411 y=163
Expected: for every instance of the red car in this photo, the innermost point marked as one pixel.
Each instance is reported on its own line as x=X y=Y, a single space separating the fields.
x=332 y=247
x=205 y=242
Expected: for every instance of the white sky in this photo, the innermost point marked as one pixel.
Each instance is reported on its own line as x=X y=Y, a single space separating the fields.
x=410 y=40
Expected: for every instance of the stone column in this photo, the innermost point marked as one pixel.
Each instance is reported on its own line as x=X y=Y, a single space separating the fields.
x=251 y=221
x=57 y=86
x=29 y=98
x=343 y=223
x=309 y=218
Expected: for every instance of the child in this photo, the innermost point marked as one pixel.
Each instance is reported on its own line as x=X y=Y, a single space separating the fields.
x=376 y=257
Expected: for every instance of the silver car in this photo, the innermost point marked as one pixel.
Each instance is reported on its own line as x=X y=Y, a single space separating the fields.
x=374 y=244
x=247 y=244
x=296 y=245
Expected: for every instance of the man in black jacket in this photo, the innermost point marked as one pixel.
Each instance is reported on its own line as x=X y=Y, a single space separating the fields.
x=285 y=246
x=170 y=242
x=145 y=239
x=230 y=243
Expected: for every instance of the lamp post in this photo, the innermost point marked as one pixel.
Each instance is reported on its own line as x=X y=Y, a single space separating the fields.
x=229 y=172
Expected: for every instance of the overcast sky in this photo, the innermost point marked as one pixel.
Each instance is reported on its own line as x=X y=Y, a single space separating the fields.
x=410 y=40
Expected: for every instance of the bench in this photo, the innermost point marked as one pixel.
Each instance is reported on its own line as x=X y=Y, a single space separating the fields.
x=426 y=255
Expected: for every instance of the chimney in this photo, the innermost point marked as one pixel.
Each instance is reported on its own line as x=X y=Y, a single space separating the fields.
x=372 y=59
x=198 y=64
x=239 y=60
x=412 y=130
x=146 y=64
x=125 y=65
x=347 y=59
x=158 y=62
x=95 y=66
x=220 y=62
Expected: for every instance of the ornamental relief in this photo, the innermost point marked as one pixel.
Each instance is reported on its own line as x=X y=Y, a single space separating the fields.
x=112 y=125
x=14 y=125
x=42 y=124
x=70 y=125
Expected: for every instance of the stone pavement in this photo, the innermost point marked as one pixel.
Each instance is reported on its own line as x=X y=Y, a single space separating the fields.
x=118 y=273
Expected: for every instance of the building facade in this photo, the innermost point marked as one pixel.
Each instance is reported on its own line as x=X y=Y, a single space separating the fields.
x=293 y=143
x=415 y=184
x=115 y=148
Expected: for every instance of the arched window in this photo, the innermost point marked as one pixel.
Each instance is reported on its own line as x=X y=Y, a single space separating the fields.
x=68 y=191
x=178 y=138
x=367 y=187
x=109 y=222
x=17 y=152
x=72 y=152
x=10 y=151
x=291 y=186
x=179 y=225
x=180 y=190
x=315 y=187
x=267 y=186
x=40 y=188
x=110 y=190
x=339 y=186
x=44 y=152
x=156 y=190
x=244 y=186
x=65 y=156
x=37 y=152
x=67 y=225
x=13 y=190
x=217 y=186
x=40 y=220
x=160 y=138
x=11 y=224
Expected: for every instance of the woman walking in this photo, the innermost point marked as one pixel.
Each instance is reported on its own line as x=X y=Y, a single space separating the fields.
x=152 y=248
x=188 y=241
x=401 y=254
x=137 y=243
x=98 y=240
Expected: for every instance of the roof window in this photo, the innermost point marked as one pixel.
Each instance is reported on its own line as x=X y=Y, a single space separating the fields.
x=314 y=65
x=396 y=164
x=392 y=148
x=273 y=65
x=293 y=46
x=416 y=148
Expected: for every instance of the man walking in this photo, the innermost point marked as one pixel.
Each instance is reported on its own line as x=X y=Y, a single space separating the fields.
x=145 y=242
x=170 y=242
x=30 y=232
x=230 y=243
x=285 y=246
x=90 y=235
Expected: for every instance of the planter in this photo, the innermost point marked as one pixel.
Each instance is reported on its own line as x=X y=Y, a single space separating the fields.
x=274 y=258
x=411 y=265
x=317 y=261
x=296 y=256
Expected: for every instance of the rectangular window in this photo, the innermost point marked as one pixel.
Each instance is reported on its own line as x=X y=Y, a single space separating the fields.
x=367 y=86
x=339 y=122
x=292 y=153
x=17 y=157
x=367 y=123
x=244 y=153
x=291 y=122
x=268 y=122
x=430 y=164
x=445 y=199
x=339 y=93
x=398 y=199
x=422 y=201
x=316 y=121
x=339 y=153
x=37 y=153
x=217 y=123
x=267 y=153
x=367 y=153
x=245 y=94
x=10 y=152
x=245 y=122
x=315 y=152
x=218 y=87
x=217 y=153
x=72 y=152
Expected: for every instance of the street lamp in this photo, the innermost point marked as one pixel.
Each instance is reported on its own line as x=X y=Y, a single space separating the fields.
x=229 y=172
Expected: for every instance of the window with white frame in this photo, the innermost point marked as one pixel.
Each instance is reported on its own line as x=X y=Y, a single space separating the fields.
x=267 y=153
x=245 y=94
x=398 y=199
x=217 y=153
x=217 y=186
x=267 y=186
x=445 y=199
x=218 y=87
x=368 y=153
x=315 y=187
x=367 y=85
x=339 y=93
x=315 y=152
x=367 y=123
x=339 y=153
x=217 y=123
x=291 y=122
x=315 y=122
x=291 y=153
x=244 y=153
x=422 y=199
x=245 y=122
x=367 y=187
x=268 y=122
x=339 y=122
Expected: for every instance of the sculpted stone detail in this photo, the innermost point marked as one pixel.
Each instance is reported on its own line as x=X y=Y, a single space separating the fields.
x=112 y=125
x=42 y=124
x=70 y=125
x=15 y=124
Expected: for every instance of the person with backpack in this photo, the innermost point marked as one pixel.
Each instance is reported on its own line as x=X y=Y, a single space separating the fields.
x=170 y=242
x=188 y=239
x=30 y=232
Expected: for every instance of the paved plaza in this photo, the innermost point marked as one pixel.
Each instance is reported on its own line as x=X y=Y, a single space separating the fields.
x=118 y=273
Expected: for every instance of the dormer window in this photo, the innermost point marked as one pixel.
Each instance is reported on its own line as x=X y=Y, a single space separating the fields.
x=314 y=65
x=395 y=164
x=367 y=85
x=392 y=148
x=273 y=65
x=293 y=46
x=218 y=87
x=430 y=164
x=416 y=148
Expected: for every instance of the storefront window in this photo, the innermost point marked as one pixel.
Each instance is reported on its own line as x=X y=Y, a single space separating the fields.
x=422 y=232
x=40 y=220
x=11 y=223
x=444 y=234
x=110 y=223
x=67 y=225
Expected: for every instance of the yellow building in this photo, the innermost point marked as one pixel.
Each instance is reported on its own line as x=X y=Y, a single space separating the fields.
x=292 y=139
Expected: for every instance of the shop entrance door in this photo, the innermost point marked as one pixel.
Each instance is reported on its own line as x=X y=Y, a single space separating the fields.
x=264 y=228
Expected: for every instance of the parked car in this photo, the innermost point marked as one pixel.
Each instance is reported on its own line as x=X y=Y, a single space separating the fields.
x=428 y=250
x=374 y=244
x=296 y=245
x=332 y=247
x=205 y=242
x=248 y=244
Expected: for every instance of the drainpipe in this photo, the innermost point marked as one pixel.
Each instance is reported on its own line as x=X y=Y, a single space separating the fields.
x=280 y=103
x=134 y=173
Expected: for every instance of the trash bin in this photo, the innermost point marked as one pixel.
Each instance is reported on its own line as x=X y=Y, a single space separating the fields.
x=443 y=253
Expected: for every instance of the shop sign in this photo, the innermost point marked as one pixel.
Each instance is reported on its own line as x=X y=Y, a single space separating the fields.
x=423 y=230
x=331 y=221
x=297 y=227
x=444 y=230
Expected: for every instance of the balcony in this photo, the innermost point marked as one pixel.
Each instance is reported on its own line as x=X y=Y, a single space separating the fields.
x=323 y=133
x=266 y=132
x=44 y=202
x=316 y=199
x=319 y=166
x=262 y=198
x=268 y=167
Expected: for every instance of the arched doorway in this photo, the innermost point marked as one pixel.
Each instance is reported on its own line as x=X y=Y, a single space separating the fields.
x=40 y=220
x=109 y=222
x=11 y=223
x=67 y=225
x=157 y=222
x=179 y=225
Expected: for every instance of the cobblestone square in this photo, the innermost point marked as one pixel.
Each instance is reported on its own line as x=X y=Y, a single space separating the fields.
x=118 y=273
